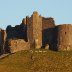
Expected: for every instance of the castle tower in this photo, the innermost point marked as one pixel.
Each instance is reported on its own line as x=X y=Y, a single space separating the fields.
x=64 y=37
x=34 y=30
x=37 y=29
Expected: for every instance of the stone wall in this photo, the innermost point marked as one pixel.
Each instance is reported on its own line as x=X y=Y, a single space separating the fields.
x=47 y=30
x=2 y=41
x=17 y=32
x=47 y=23
x=29 y=23
x=11 y=32
x=17 y=45
x=63 y=38
x=37 y=29
x=47 y=37
x=24 y=21
x=34 y=30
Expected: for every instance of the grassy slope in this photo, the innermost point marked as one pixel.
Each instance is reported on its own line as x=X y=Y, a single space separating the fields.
x=25 y=61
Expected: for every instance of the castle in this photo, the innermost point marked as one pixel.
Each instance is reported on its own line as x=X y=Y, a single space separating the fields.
x=36 y=32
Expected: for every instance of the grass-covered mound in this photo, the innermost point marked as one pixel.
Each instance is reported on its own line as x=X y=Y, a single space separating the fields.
x=26 y=61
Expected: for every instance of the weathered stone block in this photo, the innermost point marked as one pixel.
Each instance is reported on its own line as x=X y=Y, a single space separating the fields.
x=18 y=45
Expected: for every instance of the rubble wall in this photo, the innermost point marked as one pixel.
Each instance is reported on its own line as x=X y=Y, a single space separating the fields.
x=17 y=45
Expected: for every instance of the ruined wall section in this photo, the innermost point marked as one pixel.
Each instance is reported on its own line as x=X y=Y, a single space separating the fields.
x=24 y=21
x=15 y=45
x=37 y=29
x=64 y=37
x=29 y=24
x=47 y=37
x=17 y=32
x=11 y=32
x=47 y=31
x=34 y=30
x=47 y=23
x=2 y=40
x=5 y=36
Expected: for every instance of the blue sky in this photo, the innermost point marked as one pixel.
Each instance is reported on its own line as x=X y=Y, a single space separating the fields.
x=13 y=11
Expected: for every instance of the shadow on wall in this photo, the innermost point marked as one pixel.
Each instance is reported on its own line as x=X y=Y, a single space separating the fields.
x=49 y=36
x=54 y=39
x=17 y=32
x=1 y=41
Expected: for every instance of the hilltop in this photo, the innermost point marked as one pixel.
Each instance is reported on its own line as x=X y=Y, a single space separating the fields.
x=48 y=61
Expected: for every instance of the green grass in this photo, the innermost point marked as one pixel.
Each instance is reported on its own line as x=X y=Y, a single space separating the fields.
x=25 y=61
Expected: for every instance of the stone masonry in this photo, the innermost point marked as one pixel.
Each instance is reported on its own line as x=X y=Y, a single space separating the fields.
x=18 y=45
x=63 y=37
x=2 y=40
x=36 y=32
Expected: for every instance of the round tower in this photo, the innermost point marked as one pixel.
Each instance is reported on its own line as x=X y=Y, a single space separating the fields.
x=64 y=37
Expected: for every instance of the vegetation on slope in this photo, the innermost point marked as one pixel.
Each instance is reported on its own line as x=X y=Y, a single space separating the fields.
x=48 y=61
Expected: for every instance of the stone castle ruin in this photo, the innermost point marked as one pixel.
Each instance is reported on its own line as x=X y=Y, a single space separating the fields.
x=36 y=32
